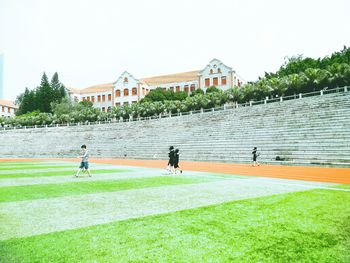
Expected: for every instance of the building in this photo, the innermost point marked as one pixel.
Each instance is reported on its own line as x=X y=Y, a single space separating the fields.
x=7 y=108
x=127 y=89
x=1 y=76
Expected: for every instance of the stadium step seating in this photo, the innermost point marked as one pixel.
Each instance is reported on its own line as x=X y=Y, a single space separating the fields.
x=307 y=131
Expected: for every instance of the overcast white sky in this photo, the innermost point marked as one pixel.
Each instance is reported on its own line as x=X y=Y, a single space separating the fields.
x=90 y=42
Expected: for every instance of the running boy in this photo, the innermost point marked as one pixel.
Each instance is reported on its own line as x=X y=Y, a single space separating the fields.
x=255 y=155
x=176 y=161
x=171 y=155
x=84 y=165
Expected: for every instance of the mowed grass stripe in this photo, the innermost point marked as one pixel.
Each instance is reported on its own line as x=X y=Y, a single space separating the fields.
x=310 y=226
x=20 y=193
x=22 y=163
x=59 y=173
x=34 y=167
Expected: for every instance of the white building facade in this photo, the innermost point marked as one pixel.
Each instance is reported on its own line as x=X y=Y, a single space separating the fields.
x=7 y=108
x=127 y=89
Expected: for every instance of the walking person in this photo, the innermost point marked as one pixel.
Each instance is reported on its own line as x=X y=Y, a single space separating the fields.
x=84 y=165
x=176 y=161
x=171 y=156
x=255 y=155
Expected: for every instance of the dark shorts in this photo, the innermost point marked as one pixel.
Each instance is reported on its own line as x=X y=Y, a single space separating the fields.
x=84 y=165
x=254 y=158
x=176 y=165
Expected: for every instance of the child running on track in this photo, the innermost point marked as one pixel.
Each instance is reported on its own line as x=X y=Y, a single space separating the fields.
x=255 y=155
x=84 y=165
x=176 y=161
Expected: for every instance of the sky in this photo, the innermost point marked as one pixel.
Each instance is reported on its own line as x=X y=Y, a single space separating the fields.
x=90 y=42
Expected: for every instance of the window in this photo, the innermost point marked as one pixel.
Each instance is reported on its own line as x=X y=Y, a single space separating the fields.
x=143 y=91
x=193 y=87
x=211 y=71
x=165 y=89
x=8 y=110
x=126 y=92
x=109 y=109
x=223 y=81
x=103 y=108
x=93 y=98
x=117 y=93
x=103 y=99
x=186 y=88
x=125 y=80
x=88 y=98
x=3 y=109
x=172 y=89
x=219 y=70
x=99 y=98
x=177 y=88
x=126 y=103
x=207 y=82
x=83 y=98
x=109 y=97
x=134 y=102
x=117 y=104
x=215 y=82
x=134 y=91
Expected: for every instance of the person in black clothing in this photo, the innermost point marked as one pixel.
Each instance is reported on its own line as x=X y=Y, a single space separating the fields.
x=171 y=155
x=176 y=161
x=255 y=155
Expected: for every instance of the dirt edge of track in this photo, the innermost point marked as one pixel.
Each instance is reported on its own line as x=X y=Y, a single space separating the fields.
x=305 y=173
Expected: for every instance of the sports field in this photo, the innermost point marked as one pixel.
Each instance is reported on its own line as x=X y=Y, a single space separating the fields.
x=127 y=213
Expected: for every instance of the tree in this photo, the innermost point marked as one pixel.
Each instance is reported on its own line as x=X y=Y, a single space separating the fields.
x=212 y=89
x=155 y=95
x=58 y=89
x=196 y=92
x=27 y=102
x=44 y=95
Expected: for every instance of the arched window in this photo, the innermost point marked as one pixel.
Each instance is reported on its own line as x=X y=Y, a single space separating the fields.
x=211 y=71
x=219 y=70
x=126 y=92
x=125 y=80
x=134 y=91
x=117 y=93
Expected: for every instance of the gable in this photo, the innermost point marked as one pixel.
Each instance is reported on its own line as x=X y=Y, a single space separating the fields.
x=215 y=66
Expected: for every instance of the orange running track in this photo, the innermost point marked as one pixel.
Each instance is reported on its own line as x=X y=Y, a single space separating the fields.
x=305 y=173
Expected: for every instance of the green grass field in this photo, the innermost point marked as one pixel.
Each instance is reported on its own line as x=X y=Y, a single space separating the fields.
x=145 y=215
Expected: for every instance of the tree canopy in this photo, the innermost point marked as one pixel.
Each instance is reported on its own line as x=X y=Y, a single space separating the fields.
x=41 y=98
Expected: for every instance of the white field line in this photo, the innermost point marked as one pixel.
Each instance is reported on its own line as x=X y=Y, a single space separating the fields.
x=305 y=184
x=33 y=217
x=59 y=169
x=27 y=171
x=84 y=178
x=71 y=179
